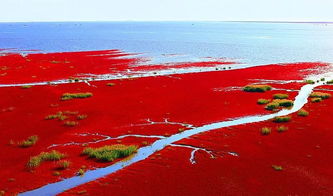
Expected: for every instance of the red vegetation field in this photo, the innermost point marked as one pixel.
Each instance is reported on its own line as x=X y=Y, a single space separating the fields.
x=243 y=157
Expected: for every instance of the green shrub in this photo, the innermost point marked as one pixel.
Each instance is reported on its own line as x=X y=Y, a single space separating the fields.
x=80 y=172
x=56 y=173
x=257 y=88
x=320 y=95
x=272 y=106
x=284 y=102
x=316 y=100
x=266 y=131
x=70 y=123
x=64 y=164
x=68 y=96
x=71 y=112
x=279 y=102
x=32 y=140
x=277 y=167
x=109 y=153
x=281 y=128
x=110 y=84
x=280 y=96
x=81 y=116
x=35 y=161
x=302 y=112
x=58 y=115
x=330 y=82
x=262 y=101
x=281 y=119
x=310 y=81
x=26 y=86
x=322 y=79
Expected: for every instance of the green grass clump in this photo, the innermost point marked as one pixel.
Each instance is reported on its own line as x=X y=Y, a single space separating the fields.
x=110 y=84
x=281 y=129
x=56 y=173
x=26 y=86
x=109 y=153
x=316 y=100
x=35 y=161
x=277 y=167
x=284 y=102
x=272 y=106
x=70 y=123
x=266 y=131
x=320 y=95
x=279 y=102
x=310 y=81
x=58 y=115
x=330 y=82
x=81 y=116
x=64 y=164
x=281 y=119
x=68 y=96
x=302 y=112
x=280 y=96
x=263 y=101
x=81 y=172
x=257 y=88
x=32 y=140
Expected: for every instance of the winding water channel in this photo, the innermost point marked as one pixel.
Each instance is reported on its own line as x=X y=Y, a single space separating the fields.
x=54 y=188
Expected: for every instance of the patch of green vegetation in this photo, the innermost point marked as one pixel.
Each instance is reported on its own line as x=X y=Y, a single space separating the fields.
x=280 y=96
x=109 y=153
x=71 y=112
x=322 y=79
x=316 y=100
x=279 y=102
x=309 y=81
x=272 y=106
x=302 y=112
x=110 y=84
x=263 y=101
x=35 y=161
x=81 y=172
x=26 y=86
x=68 y=96
x=70 y=123
x=320 y=95
x=32 y=140
x=330 y=82
x=281 y=129
x=81 y=116
x=257 y=88
x=63 y=164
x=266 y=131
x=281 y=119
x=58 y=115
x=56 y=173
x=284 y=102
x=277 y=167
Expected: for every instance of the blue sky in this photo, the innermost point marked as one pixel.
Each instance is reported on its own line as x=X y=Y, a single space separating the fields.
x=170 y=10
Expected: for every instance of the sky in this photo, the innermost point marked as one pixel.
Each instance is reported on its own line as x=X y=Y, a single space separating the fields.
x=165 y=10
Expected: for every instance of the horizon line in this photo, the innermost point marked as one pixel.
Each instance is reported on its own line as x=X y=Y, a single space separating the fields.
x=253 y=21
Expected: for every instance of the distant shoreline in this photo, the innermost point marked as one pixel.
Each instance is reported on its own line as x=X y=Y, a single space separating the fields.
x=163 y=21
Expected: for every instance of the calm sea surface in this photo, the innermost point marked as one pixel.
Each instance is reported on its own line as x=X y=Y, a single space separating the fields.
x=251 y=43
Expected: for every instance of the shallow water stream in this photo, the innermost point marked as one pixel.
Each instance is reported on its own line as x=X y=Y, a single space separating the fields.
x=52 y=189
